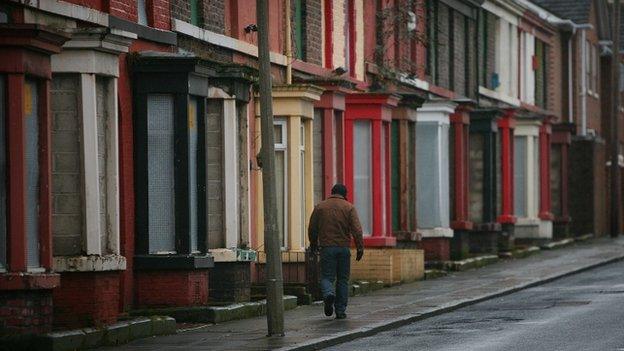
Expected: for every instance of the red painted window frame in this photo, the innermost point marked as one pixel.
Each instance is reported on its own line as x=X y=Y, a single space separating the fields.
x=376 y=108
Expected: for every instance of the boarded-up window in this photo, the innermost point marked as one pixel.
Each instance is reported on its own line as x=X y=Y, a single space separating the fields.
x=31 y=124
x=555 y=179
x=362 y=173
x=280 y=130
x=520 y=176
x=3 y=174
x=337 y=151
x=67 y=184
x=396 y=177
x=160 y=159
x=214 y=172
x=411 y=164
x=476 y=177
x=193 y=111
x=103 y=134
x=319 y=166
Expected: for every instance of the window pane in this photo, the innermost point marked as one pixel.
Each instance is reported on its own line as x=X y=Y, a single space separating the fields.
x=160 y=182
x=362 y=173
x=31 y=100
x=299 y=46
x=277 y=130
x=142 y=12
x=520 y=176
x=304 y=217
x=193 y=109
x=3 y=174
x=384 y=167
x=67 y=172
x=195 y=12
x=281 y=191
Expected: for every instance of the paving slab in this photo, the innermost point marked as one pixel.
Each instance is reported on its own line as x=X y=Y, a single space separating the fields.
x=308 y=329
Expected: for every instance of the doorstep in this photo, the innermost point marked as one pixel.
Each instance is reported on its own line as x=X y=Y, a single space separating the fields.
x=462 y=265
x=215 y=314
x=79 y=339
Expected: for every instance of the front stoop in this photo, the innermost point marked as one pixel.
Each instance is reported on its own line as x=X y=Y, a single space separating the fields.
x=216 y=314
x=87 y=338
x=462 y=265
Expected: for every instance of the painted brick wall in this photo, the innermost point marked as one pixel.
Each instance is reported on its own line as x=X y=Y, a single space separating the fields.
x=67 y=202
x=171 y=288
x=313 y=31
x=338 y=57
x=214 y=165
x=86 y=299
x=25 y=312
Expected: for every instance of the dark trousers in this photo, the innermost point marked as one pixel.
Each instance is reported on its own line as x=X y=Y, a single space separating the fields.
x=336 y=263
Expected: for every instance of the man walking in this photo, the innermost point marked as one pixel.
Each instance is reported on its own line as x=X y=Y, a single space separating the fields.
x=333 y=223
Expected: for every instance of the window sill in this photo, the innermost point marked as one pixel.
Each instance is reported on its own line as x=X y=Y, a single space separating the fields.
x=234 y=255
x=527 y=221
x=436 y=232
x=164 y=262
x=293 y=256
x=407 y=236
x=93 y=263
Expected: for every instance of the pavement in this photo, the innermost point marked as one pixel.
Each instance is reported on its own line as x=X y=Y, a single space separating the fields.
x=308 y=329
x=579 y=312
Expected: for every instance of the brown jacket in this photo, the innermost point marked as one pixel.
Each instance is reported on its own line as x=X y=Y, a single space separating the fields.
x=333 y=222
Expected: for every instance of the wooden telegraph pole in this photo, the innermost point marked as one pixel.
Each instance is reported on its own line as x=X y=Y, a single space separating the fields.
x=615 y=113
x=274 y=280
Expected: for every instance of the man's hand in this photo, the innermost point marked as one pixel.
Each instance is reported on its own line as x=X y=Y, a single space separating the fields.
x=360 y=253
x=314 y=248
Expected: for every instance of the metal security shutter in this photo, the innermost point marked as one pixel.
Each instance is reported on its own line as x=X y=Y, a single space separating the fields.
x=411 y=162
x=192 y=181
x=520 y=176
x=318 y=156
x=32 y=172
x=428 y=175
x=362 y=170
x=396 y=178
x=102 y=135
x=3 y=174
x=477 y=165
x=160 y=164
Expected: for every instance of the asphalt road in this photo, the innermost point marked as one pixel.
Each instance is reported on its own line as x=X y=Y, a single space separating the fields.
x=581 y=312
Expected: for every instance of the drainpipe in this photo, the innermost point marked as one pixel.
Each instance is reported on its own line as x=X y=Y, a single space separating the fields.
x=288 y=43
x=570 y=85
x=583 y=83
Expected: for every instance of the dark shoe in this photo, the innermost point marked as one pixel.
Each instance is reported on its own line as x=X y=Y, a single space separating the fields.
x=341 y=315
x=329 y=305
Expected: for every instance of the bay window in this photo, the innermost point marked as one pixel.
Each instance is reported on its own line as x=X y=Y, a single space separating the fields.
x=281 y=179
x=171 y=127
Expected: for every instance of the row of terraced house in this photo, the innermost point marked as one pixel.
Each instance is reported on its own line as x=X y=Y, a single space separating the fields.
x=130 y=131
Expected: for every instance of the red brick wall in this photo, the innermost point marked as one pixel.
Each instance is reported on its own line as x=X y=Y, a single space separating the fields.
x=171 y=288
x=158 y=14
x=124 y=9
x=25 y=312
x=436 y=249
x=86 y=299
